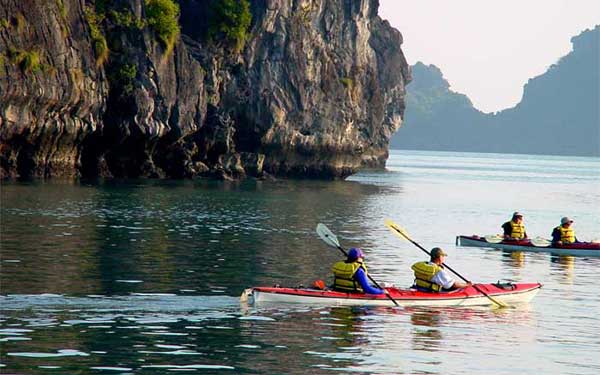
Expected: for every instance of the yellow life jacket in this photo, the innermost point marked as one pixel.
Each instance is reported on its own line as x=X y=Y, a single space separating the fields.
x=567 y=235
x=343 y=276
x=517 y=230
x=424 y=272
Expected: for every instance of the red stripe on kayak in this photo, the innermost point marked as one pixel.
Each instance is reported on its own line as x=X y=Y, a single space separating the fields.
x=469 y=292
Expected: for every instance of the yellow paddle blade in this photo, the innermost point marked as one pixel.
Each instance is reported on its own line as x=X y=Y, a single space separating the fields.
x=396 y=229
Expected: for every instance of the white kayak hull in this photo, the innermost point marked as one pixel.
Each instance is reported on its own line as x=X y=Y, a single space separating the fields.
x=262 y=296
x=470 y=242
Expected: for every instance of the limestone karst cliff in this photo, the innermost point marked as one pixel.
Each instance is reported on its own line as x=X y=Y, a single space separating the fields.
x=233 y=88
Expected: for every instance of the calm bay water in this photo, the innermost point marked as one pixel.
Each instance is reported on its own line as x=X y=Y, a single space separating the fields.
x=144 y=276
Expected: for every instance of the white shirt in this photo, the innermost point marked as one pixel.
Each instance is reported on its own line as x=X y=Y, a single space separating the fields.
x=443 y=278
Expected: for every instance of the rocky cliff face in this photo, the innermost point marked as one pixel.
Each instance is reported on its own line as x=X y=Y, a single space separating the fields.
x=46 y=114
x=316 y=90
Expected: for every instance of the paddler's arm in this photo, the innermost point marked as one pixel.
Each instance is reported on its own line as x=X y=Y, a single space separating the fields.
x=448 y=282
x=361 y=277
x=507 y=230
x=556 y=236
x=459 y=284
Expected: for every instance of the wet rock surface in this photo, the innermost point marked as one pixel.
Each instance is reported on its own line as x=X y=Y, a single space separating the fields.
x=316 y=91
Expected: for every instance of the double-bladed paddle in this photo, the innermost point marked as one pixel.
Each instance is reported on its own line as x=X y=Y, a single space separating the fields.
x=330 y=239
x=396 y=229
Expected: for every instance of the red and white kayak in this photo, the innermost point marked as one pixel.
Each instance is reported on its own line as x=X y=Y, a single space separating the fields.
x=591 y=249
x=507 y=293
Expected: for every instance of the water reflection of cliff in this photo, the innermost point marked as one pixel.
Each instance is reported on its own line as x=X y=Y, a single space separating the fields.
x=178 y=237
x=47 y=242
x=293 y=253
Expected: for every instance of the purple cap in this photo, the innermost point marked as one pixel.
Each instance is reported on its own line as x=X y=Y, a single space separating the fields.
x=355 y=253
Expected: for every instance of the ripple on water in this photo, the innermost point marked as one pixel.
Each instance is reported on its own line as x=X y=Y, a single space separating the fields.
x=247 y=346
x=165 y=346
x=88 y=321
x=14 y=331
x=211 y=367
x=256 y=317
x=173 y=352
x=105 y=368
x=147 y=321
x=162 y=333
x=129 y=281
x=17 y=338
x=215 y=327
x=60 y=353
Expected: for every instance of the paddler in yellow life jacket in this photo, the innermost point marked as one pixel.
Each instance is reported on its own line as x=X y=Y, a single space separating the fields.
x=432 y=277
x=564 y=234
x=515 y=229
x=351 y=275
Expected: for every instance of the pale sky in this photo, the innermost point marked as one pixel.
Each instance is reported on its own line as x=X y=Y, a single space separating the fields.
x=488 y=49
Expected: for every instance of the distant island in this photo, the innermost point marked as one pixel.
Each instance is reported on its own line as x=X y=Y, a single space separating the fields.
x=558 y=114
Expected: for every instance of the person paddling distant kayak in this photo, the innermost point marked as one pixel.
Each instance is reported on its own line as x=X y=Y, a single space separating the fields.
x=564 y=234
x=515 y=229
x=351 y=275
x=431 y=276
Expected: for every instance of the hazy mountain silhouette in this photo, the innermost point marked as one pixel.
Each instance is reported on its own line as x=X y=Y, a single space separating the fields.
x=558 y=114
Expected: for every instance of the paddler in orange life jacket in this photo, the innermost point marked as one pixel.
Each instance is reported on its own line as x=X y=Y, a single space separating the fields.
x=564 y=234
x=351 y=275
x=514 y=229
x=432 y=277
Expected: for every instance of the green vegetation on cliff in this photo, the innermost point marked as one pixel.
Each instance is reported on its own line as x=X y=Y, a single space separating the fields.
x=347 y=82
x=62 y=11
x=20 y=22
x=122 y=78
x=162 y=16
x=28 y=61
x=98 y=40
x=126 y=18
x=231 y=19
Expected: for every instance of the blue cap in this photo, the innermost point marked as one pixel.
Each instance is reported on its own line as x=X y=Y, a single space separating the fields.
x=355 y=253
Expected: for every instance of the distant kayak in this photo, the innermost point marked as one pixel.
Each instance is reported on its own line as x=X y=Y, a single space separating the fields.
x=577 y=249
x=507 y=293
